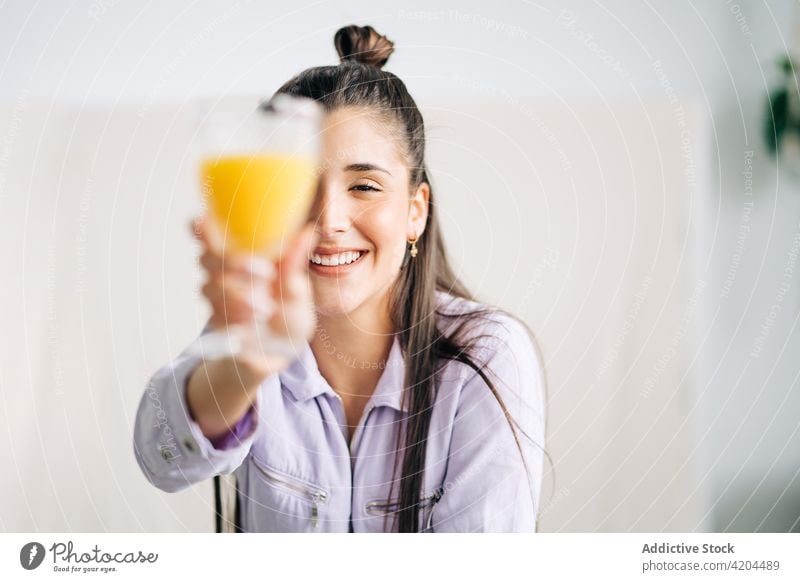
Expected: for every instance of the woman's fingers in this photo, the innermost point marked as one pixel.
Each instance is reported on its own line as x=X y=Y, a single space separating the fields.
x=243 y=266
x=291 y=289
x=212 y=259
x=200 y=230
x=207 y=232
x=240 y=287
x=293 y=265
x=237 y=303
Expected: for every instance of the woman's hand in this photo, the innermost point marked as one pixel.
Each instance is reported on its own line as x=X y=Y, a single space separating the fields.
x=239 y=289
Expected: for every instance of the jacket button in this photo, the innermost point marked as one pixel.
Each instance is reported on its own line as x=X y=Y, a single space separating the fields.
x=189 y=444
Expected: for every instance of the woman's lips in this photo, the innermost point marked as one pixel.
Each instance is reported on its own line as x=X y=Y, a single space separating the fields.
x=346 y=261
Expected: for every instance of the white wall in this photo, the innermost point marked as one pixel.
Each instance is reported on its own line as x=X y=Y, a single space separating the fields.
x=106 y=51
x=133 y=65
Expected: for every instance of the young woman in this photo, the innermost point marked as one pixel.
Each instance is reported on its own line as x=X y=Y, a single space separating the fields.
x=409 y=406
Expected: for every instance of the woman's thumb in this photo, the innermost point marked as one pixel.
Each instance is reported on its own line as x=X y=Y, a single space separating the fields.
x=294 y=263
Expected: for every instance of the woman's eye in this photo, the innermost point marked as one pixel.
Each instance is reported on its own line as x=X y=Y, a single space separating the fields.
x=365 y=188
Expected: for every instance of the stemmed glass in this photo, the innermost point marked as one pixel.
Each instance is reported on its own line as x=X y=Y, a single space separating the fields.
x=259 y=171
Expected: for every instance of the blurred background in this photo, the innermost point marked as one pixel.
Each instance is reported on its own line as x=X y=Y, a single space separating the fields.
x=603 y=170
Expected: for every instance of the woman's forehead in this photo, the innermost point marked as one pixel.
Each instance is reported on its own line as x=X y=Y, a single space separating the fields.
x=352 y=136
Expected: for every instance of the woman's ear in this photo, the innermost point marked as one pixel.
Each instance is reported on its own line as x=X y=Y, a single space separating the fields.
x=418 y=211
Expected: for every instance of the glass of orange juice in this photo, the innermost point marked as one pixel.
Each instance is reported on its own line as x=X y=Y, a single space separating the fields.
x=259 y=171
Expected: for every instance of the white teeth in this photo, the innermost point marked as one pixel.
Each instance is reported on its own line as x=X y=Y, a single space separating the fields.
x=335 y=260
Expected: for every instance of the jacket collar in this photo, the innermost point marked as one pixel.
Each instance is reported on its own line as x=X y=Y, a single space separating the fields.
x=304 y=380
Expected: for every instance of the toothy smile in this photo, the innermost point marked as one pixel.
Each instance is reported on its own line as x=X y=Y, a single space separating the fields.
x=336 y=259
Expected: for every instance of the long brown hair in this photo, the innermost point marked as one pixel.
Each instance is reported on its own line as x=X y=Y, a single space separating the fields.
x=358 y=81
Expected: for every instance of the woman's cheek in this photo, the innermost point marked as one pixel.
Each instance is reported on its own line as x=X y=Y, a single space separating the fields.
x=384 y=225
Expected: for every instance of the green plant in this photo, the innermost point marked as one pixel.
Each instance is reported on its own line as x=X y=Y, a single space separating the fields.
x=783 y=108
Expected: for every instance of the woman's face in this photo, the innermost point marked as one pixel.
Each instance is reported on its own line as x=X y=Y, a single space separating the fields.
x=364 y=213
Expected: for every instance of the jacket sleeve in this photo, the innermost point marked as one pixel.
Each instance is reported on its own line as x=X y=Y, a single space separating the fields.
x=487 y=487
x=169 y=445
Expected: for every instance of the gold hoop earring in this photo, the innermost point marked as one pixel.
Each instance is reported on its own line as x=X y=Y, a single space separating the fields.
x=414 y=247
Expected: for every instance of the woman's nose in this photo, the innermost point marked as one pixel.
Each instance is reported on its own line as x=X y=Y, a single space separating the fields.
x=330 y=214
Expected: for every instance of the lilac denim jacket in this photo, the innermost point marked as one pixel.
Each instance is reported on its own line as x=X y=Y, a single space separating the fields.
x=296 y=472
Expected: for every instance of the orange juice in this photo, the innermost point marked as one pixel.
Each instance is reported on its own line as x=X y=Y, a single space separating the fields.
x=258 y=201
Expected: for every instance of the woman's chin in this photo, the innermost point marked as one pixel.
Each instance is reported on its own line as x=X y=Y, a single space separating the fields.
x=333 y=307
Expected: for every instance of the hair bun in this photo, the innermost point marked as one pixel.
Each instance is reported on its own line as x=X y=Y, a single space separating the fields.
x=362 y=44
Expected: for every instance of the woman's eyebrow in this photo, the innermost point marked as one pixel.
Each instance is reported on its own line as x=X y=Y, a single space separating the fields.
x=364 y=167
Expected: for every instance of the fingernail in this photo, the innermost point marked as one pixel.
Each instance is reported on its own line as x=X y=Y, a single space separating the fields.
x=296 y=284
x=260 y=303
x=260 y=266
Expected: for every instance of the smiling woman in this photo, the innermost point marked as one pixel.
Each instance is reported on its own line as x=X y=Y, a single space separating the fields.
x=411 y=406
x=364 y=213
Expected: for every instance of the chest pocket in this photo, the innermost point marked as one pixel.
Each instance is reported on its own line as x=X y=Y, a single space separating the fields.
x=380 y=508
x=278 y=502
